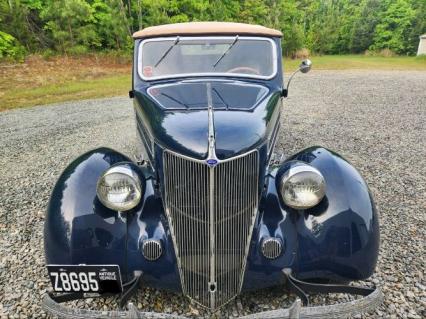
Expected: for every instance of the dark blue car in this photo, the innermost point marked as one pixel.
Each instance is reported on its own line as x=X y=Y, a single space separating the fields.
x=209 y=209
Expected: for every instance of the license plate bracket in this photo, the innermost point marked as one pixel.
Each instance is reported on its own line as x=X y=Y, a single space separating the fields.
x=98 y=279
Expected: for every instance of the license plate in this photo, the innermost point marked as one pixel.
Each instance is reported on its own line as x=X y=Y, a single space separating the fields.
x=85 y=278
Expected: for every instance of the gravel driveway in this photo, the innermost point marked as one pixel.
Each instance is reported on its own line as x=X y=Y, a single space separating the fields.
x=377 y=120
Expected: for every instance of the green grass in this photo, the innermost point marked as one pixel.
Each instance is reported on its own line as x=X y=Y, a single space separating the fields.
x=70 y=83
x=68 y=91
x=360 y=62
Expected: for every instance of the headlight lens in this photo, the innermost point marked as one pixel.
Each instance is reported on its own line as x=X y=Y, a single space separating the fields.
x=119 y=188
x=302 y=186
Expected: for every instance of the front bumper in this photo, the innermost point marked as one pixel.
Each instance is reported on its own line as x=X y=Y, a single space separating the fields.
x=341 y=310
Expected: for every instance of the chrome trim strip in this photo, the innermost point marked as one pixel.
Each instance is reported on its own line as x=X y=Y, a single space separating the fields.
x=212 y=137
x=213 y=74
x=211 y=157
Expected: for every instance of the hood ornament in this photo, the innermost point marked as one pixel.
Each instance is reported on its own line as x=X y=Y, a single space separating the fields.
x=211 y=160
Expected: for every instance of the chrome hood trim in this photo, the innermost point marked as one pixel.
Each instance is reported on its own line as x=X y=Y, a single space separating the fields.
x=212 y=159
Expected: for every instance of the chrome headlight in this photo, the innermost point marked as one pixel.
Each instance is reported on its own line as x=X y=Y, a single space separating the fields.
x=119 y=188
x=302 y=186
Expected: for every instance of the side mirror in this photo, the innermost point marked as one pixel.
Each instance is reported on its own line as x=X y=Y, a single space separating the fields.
x=304 y=67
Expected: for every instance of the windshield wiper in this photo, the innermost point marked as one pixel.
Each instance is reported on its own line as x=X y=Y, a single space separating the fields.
x=226 y=52
x=167 y=52
x=221 y=98
x=175 y=100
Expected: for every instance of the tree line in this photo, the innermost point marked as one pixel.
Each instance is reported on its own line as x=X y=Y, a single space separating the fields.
x=321 y=26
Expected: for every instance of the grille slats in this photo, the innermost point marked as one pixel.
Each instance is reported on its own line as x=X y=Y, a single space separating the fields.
x=152 y=249
x=271 y=248
x=211 y=212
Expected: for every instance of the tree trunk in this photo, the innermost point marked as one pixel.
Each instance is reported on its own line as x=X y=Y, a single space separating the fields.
x=123 y=13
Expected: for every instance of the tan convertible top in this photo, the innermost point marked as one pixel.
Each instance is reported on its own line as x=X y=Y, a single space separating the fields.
x=206 y=28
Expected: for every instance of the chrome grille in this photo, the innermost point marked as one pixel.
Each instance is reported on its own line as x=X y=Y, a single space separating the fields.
x=211 y=211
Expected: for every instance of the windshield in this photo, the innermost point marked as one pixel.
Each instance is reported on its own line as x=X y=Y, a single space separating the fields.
x=189 y=56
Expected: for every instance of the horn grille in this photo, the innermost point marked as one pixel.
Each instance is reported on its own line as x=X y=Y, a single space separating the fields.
x=211 y=211
x=271 y=248
x=152 y=249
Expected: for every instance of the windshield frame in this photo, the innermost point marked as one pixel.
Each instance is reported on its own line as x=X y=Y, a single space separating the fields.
x=208 y=74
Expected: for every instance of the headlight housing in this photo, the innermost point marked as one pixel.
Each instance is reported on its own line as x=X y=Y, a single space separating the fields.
x=302 y=186
x=119 y=188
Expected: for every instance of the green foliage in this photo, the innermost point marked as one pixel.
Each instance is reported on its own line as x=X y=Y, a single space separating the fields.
x=365 y=21
x=10 y=47
x=21 y=20
x=288 y=18
x=322 y=26
x=71 y=24
x=394 y=27
x=321 y=34
x=110 y=25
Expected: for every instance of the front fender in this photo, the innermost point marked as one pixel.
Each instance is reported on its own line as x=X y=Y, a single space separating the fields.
x=78 y=228
x=336 y=240
x=339 y=238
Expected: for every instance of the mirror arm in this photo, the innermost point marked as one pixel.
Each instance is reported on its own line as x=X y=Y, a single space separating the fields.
x=285 y=91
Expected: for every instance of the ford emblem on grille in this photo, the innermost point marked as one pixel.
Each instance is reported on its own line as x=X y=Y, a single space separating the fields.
x=212 y=162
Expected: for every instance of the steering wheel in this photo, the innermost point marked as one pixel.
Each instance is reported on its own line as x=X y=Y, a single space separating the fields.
x=243 y=69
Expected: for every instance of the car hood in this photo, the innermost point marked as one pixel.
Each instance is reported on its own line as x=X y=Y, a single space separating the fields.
x=177 y=115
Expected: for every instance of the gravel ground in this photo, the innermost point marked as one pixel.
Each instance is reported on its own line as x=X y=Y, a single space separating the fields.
x=377 y=120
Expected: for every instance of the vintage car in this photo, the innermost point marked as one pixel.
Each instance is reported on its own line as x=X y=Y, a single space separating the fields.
x=207 y=208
